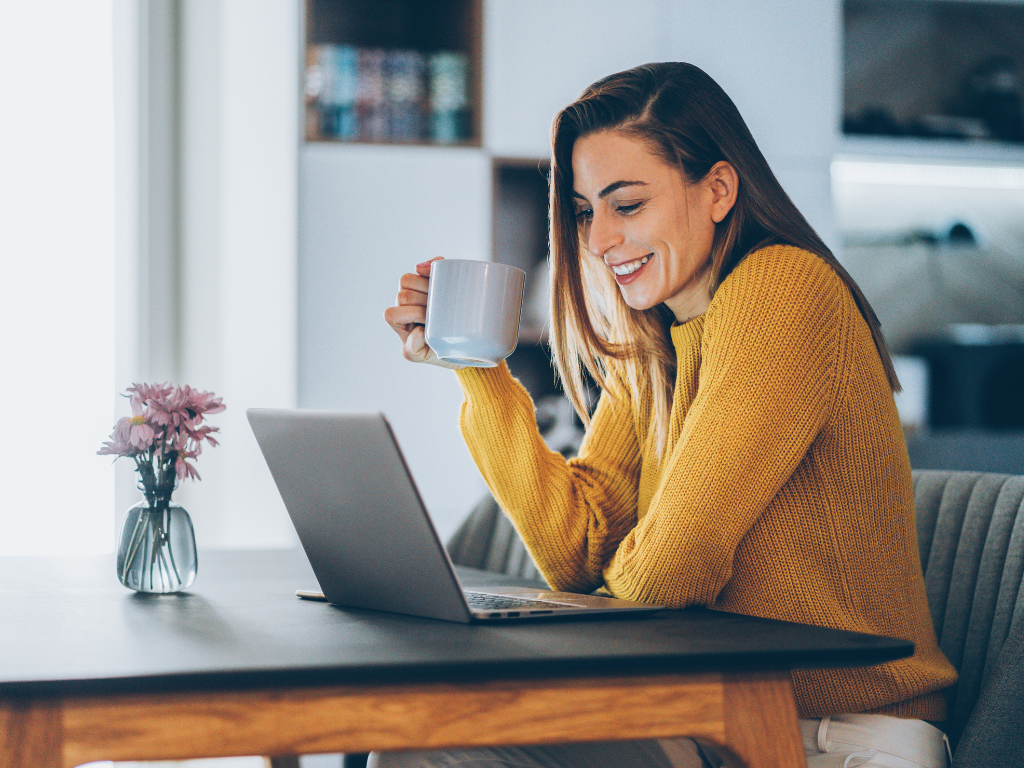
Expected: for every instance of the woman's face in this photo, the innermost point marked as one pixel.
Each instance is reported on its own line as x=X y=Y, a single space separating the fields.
x=652 y=230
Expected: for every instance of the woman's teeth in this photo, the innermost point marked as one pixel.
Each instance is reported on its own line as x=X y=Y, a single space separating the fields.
x=629 y=268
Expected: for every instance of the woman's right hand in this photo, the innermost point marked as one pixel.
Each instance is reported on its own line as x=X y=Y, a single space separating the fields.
x=409 y=315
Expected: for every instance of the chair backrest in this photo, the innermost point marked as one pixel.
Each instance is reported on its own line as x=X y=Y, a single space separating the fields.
x=487 y=540
x=970 y=528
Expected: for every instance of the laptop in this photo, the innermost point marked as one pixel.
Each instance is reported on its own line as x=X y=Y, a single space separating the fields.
x=367 y=534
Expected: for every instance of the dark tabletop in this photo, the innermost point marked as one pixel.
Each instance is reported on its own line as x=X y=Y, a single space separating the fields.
x=68 y=626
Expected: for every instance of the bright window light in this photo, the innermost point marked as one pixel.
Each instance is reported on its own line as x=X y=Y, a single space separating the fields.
x=57 y=290
x=922 y=175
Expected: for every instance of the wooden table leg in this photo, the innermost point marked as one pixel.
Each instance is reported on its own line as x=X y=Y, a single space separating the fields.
x=31 y=734
x=761 y=725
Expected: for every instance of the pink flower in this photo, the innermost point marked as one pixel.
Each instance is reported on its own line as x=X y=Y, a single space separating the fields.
x=201 y=433
x=181 y=465
x=184 y=469
x=140 y=394
x=165 y=432
x=168 y=411
x=202 y=402
x=134 y=431
x=117 y=448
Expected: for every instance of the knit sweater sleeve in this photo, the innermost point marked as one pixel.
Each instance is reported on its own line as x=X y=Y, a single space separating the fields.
x=771 y=346
x=571 y=514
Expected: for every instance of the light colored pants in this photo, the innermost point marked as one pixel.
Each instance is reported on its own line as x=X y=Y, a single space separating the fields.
x=848 y=741
x=842 y=741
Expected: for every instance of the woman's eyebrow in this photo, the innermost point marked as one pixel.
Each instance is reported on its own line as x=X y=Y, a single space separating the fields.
x=611 y=188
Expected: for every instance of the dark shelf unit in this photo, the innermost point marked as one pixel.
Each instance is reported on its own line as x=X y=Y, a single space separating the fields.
x=975 y=386
x=425 y=27
x=520 y=239
x=520 y=229
x=934 y=69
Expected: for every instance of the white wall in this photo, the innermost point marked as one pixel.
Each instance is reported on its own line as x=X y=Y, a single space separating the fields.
x=367 y=215
x=240 y=122
x=57 y=302
x=127 y=227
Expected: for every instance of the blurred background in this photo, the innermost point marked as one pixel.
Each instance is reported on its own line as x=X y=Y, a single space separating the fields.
x=225 y=193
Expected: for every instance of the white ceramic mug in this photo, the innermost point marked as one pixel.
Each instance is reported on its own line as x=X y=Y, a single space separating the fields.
x=473 y=311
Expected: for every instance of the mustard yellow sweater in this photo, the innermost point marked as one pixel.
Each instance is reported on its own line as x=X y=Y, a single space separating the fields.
x=784 y=491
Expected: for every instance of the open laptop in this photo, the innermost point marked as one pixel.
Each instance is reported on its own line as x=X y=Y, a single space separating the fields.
x=367 y=533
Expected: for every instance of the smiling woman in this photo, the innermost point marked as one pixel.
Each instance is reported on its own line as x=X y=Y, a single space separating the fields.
x=57 y=289
x=745 y=453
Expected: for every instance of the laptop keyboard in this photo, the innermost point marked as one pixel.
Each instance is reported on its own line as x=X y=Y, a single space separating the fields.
x=483 y=602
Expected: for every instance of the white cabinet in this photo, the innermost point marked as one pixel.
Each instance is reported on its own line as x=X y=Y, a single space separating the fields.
x=540 y=55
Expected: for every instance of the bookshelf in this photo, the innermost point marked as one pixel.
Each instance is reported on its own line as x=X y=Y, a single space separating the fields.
x=393 y=72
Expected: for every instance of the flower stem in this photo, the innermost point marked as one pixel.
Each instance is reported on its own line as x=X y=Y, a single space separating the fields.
x=133 y=544
x=170 y=549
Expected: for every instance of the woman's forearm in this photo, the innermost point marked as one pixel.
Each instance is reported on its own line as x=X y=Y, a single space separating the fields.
x=571 y=514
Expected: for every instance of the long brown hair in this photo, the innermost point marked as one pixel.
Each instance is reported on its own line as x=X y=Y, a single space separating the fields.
x=684 y=117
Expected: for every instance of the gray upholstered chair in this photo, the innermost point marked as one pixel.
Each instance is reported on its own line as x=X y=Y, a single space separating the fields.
x=970 y=528
x=488 y=541
x=971 y=535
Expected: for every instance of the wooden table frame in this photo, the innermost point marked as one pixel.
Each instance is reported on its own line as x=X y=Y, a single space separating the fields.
x=749 y=715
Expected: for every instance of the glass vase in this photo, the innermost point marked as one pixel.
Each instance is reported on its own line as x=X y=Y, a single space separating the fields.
x=156 y=550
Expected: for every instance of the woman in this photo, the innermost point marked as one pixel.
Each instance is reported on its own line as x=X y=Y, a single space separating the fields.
x=745 y=453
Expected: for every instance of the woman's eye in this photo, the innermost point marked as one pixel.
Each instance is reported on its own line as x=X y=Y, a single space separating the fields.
x=628 y=208
x=584 y=215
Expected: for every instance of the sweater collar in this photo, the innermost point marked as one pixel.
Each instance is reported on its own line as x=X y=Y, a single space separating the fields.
x=688 y=334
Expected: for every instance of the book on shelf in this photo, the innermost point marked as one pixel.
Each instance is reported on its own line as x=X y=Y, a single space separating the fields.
x=386 y=95
x=448 y=97
x=331 y=77
x=406 y=94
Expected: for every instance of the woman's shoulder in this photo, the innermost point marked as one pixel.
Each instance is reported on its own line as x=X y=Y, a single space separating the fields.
x=786 y=264
x=781 y=274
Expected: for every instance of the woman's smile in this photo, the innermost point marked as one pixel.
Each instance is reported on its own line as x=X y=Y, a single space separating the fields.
x=628 y=271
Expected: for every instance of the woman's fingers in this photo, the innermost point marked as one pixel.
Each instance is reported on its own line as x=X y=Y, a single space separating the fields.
x=408 y=316
x=414 y=346
x=413 y=286
x=403 y=317
x=410 y=306
x=423 y=268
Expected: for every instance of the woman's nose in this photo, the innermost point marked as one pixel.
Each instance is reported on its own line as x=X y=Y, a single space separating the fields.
x=603 y=234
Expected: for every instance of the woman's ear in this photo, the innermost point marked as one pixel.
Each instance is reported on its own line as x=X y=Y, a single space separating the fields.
x=723 y=184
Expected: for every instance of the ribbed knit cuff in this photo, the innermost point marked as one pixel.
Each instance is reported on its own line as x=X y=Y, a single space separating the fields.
x=486 y=382
x=929 y=706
